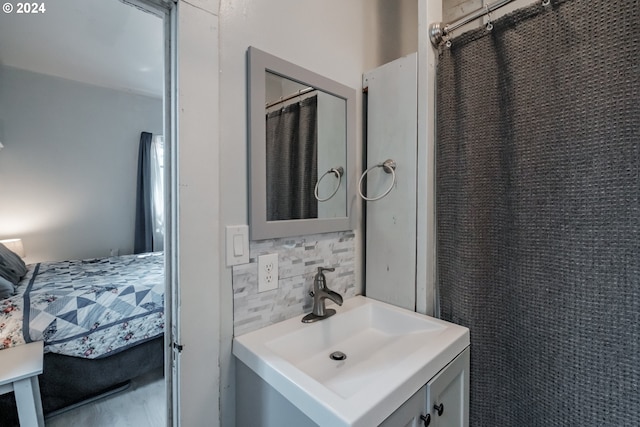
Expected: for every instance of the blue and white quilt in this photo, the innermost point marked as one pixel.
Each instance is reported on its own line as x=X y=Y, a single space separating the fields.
x=87 y=308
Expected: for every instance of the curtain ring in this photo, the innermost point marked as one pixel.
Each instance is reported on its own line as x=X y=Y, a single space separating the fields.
x=446 y=36
x=546 y=2
x=447 y=40
x=339 y=171
x=489 y=25
x=389 y=166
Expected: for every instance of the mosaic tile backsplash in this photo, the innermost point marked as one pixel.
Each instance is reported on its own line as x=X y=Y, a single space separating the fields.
x=298 y=262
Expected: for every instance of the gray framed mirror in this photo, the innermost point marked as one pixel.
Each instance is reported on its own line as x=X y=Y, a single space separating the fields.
x=302 y=150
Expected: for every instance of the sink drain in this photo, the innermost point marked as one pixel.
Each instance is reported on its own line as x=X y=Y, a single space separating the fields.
x=338 y=355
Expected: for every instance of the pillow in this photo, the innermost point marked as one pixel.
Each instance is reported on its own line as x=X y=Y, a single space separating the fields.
x=6 y=288
x=12 y=267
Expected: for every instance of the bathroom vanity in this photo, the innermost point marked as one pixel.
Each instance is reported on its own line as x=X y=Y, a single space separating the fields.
x=370 y=364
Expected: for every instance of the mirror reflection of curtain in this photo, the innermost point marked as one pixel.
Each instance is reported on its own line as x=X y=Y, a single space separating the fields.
x=292 y=169
x=149 y=225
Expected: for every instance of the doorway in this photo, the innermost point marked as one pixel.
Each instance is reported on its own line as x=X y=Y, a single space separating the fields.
x=80 y=63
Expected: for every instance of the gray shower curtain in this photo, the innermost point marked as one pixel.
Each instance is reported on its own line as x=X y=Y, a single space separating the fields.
x=538 y=212
x=292 y=166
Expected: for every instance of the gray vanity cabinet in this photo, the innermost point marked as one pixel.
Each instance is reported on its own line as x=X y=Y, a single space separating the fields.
x=442 y=402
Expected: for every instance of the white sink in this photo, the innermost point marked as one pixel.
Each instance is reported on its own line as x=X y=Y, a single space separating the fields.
x=390 y=353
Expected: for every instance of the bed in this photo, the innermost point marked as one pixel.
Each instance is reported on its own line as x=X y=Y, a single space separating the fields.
x=101 y=320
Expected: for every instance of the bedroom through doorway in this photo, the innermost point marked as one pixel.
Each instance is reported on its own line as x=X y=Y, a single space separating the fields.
x=85 y=123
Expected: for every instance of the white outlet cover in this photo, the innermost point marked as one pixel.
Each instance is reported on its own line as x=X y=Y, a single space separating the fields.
x=267 y=272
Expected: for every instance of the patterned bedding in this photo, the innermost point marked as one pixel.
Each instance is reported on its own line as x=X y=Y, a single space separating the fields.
x=87 y=308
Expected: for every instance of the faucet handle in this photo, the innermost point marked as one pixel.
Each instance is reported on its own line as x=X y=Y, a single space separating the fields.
x=321 y=269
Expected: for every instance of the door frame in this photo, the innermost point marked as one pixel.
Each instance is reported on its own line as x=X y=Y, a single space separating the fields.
x=167 y=11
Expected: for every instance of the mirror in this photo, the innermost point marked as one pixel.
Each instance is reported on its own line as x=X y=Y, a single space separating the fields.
x=302 y=144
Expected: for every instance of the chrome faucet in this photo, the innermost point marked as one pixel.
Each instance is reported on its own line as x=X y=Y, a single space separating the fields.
x=320 y=293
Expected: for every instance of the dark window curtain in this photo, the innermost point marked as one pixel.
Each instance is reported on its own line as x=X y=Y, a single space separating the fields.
x=538 y=213
x=292 y=167
x=143 y=240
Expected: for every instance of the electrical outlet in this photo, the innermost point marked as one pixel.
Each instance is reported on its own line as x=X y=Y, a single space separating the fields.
x=267 y=272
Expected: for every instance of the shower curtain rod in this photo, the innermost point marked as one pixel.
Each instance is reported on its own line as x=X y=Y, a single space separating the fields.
x=438 y=31
x=288 y=97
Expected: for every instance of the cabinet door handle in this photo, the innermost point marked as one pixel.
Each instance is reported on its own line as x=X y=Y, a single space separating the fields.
x=426 y=419
x=439 y=408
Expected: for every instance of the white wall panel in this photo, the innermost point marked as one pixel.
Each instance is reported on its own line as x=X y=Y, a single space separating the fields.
x=429 y=11
x=391 y=221
x=200 y=256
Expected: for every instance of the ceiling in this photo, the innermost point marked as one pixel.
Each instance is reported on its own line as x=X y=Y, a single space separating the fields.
x=101 y=42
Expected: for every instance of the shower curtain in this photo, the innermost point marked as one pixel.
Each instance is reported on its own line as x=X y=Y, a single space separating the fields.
x=292 y=166
x=538 y=212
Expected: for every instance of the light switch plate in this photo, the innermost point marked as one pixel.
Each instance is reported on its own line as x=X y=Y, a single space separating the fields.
x=267 y=272
x=237 y=243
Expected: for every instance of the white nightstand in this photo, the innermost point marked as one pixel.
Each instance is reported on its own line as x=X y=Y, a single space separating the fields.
x=19 y=370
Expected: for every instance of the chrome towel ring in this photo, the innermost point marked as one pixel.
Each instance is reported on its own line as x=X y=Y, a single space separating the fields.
x=339 y=171
x=389 y=166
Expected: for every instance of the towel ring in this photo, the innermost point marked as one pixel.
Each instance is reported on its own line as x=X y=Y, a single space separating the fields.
x=389 y=166
x=339 y=171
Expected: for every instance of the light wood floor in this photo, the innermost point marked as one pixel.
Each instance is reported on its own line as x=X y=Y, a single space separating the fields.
x=143 y=404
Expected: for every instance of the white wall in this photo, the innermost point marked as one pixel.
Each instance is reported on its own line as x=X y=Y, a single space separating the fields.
x=68 y=169
x=517 y=4
x=453 y=9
